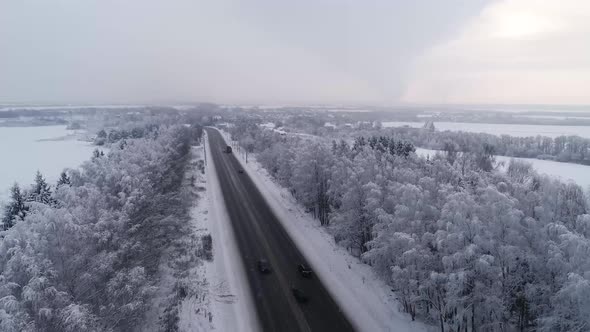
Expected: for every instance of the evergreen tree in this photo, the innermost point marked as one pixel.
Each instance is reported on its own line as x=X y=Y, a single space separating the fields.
x=64 y=179
x=101 y=134
x=16 y=209
x=41 y=191
x=101 y=137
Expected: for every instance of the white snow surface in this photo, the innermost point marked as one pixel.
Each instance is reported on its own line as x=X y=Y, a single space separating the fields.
x=347 y=110
x=518 y=130
x=28 y=149
x=366 y=300
x=192 y=312
x=552 y=117
x=60 y=107
x=268 y=125
x=232 y=302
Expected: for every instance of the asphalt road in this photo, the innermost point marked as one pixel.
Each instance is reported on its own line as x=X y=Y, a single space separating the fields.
x=260 y=235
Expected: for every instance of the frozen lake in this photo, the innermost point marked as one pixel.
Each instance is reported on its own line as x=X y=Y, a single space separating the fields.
x=519 y=130
x=28 y=149
x=579 y=174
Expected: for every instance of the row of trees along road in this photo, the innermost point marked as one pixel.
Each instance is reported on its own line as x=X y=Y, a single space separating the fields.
x=84 y=256
x=464 y=247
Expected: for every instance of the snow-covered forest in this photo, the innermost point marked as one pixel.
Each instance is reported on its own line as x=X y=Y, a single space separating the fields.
x=83 y=254
x=573 y=149
x=464 y=246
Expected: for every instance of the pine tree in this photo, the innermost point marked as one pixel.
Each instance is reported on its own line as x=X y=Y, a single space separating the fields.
x=64 y=179
x=16 y=209
x=41 y=191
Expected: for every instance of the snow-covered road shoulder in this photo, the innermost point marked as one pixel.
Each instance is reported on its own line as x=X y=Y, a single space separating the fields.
x=368 y=302
x=231 y=300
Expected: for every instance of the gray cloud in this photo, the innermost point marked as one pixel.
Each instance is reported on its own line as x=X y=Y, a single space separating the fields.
x=72 y=51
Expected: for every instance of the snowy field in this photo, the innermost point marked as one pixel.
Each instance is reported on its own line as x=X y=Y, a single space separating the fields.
x=577 y=173
x=552 y=117
x=518 y=130
x=62 y=107
x=28 y=149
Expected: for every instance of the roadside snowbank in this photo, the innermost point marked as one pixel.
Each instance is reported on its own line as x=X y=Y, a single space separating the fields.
x=367 y=301
x=195 y=312
x=232 y=304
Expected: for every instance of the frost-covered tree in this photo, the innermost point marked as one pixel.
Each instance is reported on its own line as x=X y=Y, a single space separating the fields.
x=90 y=262
x=16 y=209
x=571 y=305
x=310 y=179
x=41 y=192
x=64 y=179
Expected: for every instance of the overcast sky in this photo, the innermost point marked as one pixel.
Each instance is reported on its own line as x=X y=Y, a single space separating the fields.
x=380 y=52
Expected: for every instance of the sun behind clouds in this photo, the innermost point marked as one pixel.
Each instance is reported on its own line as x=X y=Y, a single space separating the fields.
x=515 y=51
x=523 y=25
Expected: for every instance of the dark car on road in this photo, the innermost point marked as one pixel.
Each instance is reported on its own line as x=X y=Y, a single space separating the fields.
x=299 y=295
x=304 y=270
x=263 y=266
x=240 y=171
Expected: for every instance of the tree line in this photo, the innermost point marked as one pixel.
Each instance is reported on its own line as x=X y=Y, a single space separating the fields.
x=572 y=149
